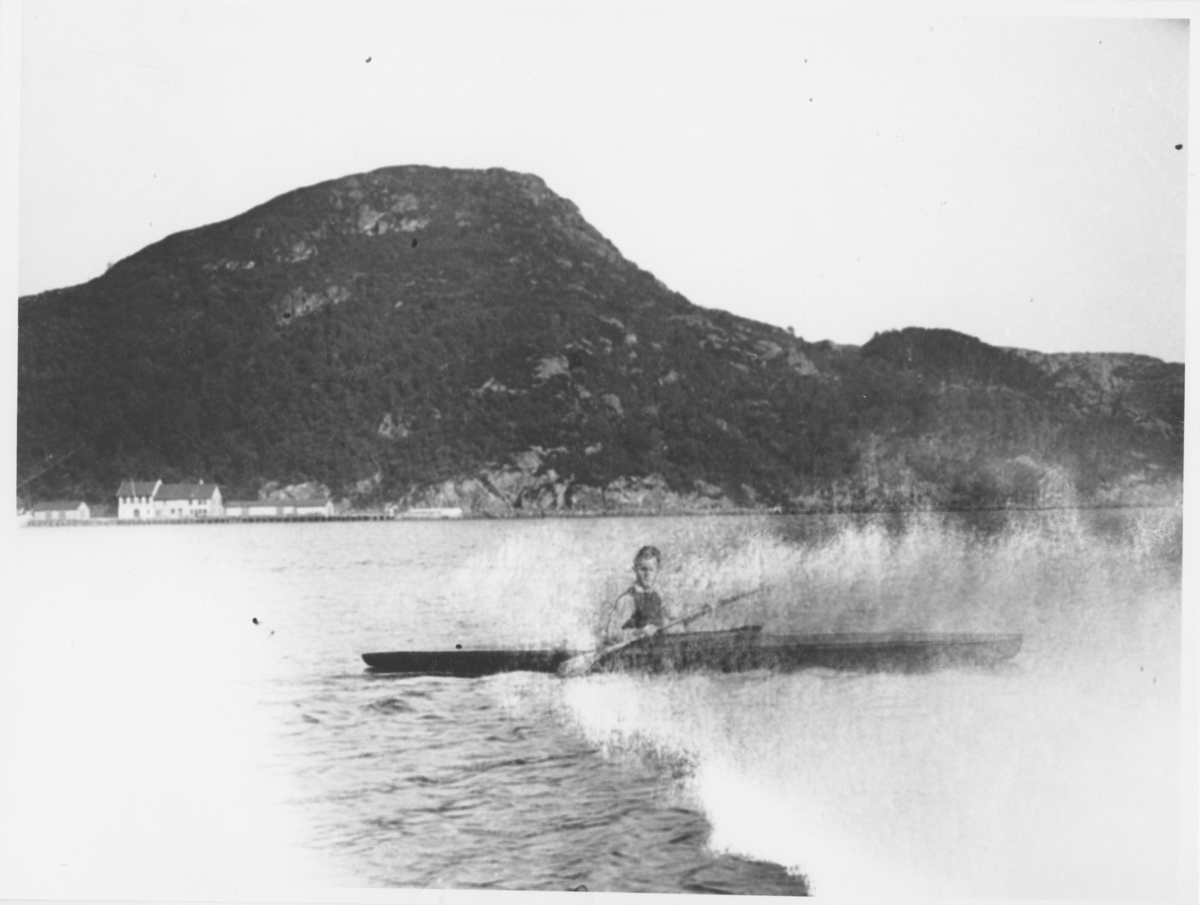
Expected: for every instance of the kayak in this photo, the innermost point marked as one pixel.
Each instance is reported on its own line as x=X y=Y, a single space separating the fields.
x=737 y=650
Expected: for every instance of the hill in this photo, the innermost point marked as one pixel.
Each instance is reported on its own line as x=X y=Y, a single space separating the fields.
x=435 y=336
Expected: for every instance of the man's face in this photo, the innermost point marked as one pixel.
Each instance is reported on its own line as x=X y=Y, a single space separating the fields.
x=646 y=571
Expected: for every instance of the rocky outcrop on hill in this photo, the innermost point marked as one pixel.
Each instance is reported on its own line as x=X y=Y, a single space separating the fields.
x=295 y=493
x=428 y=337
x=529 y=486
x=1146 y=389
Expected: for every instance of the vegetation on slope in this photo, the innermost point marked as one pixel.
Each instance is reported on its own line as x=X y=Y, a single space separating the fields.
x=387 y=333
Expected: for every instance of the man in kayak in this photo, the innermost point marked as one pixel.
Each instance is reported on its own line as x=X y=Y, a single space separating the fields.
x=639 y=610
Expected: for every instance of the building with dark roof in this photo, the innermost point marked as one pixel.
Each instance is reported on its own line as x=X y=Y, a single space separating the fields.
x=188 y=501
x=135 y=499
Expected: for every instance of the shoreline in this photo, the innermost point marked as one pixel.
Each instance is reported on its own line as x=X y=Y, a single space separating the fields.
x=24 y=521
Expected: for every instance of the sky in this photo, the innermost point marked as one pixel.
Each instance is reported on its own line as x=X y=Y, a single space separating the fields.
x=1015 y=177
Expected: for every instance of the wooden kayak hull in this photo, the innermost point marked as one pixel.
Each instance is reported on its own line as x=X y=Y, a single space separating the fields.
x=466 y=664
x=739 y=650
x=893 y=652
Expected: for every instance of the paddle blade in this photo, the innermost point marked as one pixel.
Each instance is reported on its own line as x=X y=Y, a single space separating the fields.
x=582 y=664
x=578 y=666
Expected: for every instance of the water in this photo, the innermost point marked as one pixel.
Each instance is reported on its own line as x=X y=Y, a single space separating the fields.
x=195 y=718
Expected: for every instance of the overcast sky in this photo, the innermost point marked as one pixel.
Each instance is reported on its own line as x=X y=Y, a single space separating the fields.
x=1012 y=177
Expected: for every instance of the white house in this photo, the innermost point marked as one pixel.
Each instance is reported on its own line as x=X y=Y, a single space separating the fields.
x=173 y=501
x=61 y=510
x=135 y=499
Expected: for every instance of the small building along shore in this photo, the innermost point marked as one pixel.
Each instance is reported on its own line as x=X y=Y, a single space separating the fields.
x=189 y=501
x=432 y=512
x=135 y=499
x=278 y=508
x=61 y=510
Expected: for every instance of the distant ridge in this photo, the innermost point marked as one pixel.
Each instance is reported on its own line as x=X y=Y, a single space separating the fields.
x=418 y=336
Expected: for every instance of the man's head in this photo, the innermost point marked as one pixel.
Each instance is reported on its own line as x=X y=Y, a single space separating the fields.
x=645 y=566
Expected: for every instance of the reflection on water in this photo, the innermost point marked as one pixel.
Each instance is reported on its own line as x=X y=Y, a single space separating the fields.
x=1056 y=776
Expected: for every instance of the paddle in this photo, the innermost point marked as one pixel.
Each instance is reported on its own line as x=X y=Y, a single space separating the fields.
x=582 y=664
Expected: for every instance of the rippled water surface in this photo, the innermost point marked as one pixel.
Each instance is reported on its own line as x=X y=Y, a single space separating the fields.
x=226 y=662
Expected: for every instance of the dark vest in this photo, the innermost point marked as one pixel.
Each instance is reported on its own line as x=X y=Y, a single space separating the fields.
x=647 y=609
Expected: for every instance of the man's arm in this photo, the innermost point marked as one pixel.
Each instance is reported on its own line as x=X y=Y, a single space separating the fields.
x=618 y=616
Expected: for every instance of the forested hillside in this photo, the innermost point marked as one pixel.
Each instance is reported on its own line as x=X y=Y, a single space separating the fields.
x=422 y=335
